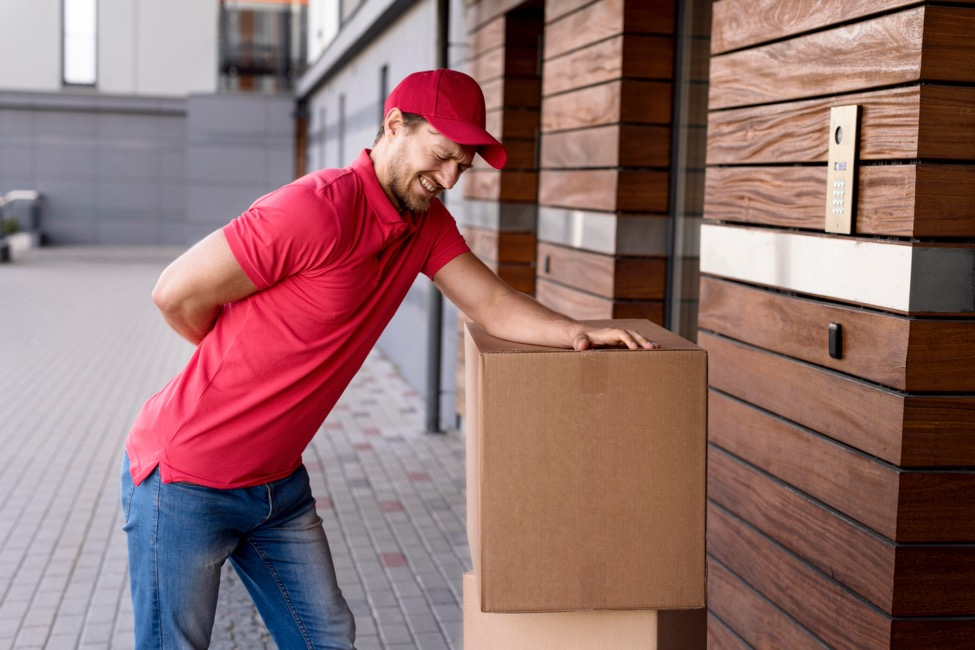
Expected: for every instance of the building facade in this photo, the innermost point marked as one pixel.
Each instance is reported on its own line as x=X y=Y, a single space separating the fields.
x=134 y=135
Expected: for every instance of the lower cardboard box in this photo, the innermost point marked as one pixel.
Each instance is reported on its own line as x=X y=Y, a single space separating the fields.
x=582 y=630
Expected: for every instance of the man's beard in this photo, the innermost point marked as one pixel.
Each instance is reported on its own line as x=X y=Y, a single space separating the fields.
x=399 y=187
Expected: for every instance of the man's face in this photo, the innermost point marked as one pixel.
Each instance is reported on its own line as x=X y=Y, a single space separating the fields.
x=423 y=163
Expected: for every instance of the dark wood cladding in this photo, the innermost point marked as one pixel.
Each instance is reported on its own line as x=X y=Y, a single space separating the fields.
x=745 y=23
x=614 y=190
x=742 y=618
x=884 y=51
x=613 y=145
x=906 y=430
x=604 y=19
x=902 y=580
x=812 y=599
x=930 y=121
x=587 y=306
x=907 y=200
x=635 y=278
x=906 y=354
x=840 y=489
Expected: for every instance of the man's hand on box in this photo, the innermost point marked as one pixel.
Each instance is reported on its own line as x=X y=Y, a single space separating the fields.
x=611 y=337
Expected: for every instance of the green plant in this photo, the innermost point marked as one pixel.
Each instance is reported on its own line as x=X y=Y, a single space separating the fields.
x=9 y=226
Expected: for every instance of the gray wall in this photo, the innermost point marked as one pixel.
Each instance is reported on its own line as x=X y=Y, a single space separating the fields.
x=136 y=170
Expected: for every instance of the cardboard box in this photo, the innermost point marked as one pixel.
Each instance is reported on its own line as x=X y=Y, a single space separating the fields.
x=586 y=474
x=620 y=630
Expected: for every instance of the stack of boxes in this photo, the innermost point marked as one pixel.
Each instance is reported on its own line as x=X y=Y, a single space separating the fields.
x=585 y=494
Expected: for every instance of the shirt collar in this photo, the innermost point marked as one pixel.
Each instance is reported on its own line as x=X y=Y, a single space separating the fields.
x=376 y=196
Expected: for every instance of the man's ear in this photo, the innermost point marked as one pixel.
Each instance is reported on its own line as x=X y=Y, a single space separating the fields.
x=393 y=123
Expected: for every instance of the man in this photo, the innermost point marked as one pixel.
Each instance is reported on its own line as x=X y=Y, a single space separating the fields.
x=284 y=304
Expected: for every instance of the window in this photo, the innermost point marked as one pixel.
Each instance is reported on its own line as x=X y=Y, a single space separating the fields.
x=80 y=26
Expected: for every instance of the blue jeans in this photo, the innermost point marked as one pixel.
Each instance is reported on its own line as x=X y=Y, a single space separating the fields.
x=179 y=536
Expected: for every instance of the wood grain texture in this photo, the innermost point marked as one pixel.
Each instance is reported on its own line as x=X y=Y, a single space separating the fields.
x=902 y=580
x=905 y=200
x=742 y=23
x=746 y=619
x=861 y=560
x=521 y=123
x=927 y=121
x=605 y=19
x=615 y=145
x=910 y=122
x=839 y=619
x=904 y=430
x=872 y=54
x=607 y=190
x=902 y=353
x=632 y=56
x=586 y=306
x=902 y=505
x=604 y=275
x=497 y=246
x=633 y=101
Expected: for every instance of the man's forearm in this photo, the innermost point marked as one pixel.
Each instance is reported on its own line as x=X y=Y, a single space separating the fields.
x=518 y=317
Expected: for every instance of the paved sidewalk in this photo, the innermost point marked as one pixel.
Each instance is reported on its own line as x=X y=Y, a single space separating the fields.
x=81 y=347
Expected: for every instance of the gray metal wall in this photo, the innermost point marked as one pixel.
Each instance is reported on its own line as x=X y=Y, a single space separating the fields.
x=135 y=170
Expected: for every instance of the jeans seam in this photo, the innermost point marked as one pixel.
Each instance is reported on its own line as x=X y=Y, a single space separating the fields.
x=284 y=594
x=157 y=608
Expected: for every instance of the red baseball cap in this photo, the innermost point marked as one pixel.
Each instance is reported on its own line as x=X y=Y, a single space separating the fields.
x=453 y=104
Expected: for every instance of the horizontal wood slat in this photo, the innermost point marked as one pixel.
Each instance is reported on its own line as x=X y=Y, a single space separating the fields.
x=605 y=275
x=927 y=121
x=903 y=353
x=633 y=101
x=514 y=123
x=905 y=430
x=615 y=145
x=838 y=617
x=501 y=185
x=883 y=51
x=742 y=23
x=761 y=623
x=607 y=190
x=634 y=56
x=602 y=20
x=892 y=200
x=490 y=244
x=583 y=306
x=863 y=561
x=903 y=580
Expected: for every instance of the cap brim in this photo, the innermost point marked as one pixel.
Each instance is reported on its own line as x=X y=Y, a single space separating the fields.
x=465 y=133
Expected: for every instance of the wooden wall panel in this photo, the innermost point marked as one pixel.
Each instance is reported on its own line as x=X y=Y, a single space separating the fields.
x=810 y=597
x=757 y=622
x=850 y=478
x=586 y=306
x=904 y=430
x=875 y=345
x=634 y=101
x=646 y=57
x=893 y=200
x=877 y=495
x=902 y=580
x=891 y=122
x=614 y=145
x=744 y=23
x=490 y=244
x=637 y=278
x=607 y=190
x=601 y=20
x=881 y=52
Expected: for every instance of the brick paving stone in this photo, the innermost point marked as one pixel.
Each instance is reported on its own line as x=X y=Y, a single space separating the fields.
x=81 y=348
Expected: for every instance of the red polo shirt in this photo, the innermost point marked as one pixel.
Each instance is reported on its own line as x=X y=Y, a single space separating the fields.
x=332 y=261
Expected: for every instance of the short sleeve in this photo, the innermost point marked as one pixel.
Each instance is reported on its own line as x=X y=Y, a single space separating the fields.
x=288 y=231
x=448 y=243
